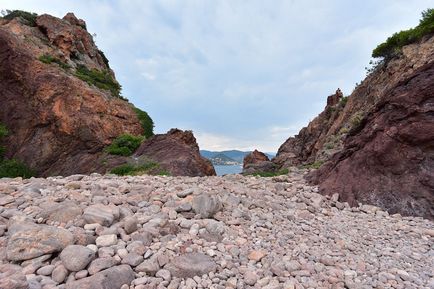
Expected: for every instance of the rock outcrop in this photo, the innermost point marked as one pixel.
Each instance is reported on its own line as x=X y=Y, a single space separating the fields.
x=61 y=104
x=257 y=162
x=377 y=144
x=177 y=152
x=58 y=123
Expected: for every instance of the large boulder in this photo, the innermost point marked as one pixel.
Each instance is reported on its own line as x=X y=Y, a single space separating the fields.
x=112 y=278
x=190 y=265
x=177 y=152
x=28 y=241
x=257 y=162
x=12 y=277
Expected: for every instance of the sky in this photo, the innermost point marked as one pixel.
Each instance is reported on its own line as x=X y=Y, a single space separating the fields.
x=239 y=74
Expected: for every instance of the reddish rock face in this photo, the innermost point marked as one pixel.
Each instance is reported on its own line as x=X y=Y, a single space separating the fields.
x=254 y=158
x=378 y=146
x=58 y=124
x=177 y=152
x=305 y=147
x=388 y=161
x=256 y=162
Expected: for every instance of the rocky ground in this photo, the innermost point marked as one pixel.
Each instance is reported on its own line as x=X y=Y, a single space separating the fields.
x=211 y=232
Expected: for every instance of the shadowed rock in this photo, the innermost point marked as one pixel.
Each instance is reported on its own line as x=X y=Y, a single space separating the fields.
x=190 y=265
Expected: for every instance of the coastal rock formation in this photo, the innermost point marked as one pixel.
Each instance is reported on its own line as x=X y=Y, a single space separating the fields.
x=257 y=161
x=377 y=144
x=307 y=146
x=177 y=152
x=268 y=233
x=389 y=160
x=58 y=123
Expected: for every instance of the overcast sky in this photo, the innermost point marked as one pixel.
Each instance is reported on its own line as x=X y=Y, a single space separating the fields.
x=240 y=74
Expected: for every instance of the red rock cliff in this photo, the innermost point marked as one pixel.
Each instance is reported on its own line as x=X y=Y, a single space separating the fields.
x=377 y=145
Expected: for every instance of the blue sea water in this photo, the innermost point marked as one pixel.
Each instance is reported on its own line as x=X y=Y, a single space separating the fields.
x=226 y=170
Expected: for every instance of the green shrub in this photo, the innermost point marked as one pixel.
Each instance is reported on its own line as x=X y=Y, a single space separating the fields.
x=100 y=79
x=3 y=133
x=271 y=174
x=104 y=58
x=14 y=168
x=146 y=121
x=356 y=120
x=48 y=59
x=315 y=165
x=393 y=45
x=29 y=18
x=343 y=101
x=124 y=145
x=136 y=170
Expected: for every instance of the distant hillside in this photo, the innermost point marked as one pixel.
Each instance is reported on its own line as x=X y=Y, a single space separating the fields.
x=235 y=155
x=222 y=159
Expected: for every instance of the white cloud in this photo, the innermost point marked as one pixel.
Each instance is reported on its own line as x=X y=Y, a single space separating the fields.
x=239 y=74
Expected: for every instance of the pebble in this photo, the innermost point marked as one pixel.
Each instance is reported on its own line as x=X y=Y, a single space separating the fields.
x=213 y=232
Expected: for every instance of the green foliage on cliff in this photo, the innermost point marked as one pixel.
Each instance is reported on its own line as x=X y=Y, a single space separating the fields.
x=271 y=174
x=124 y=145
x=393 y=45
x=29 y=18
x=3 y=133
x=150 y=167
x=146 y=121
x=48 y=59
x=11 y=168
x=14 y=168
x=100 y=79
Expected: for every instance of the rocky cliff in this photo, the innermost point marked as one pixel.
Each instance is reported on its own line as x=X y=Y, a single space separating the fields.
x=61 y=102
x=177 y=152
x=377 y=144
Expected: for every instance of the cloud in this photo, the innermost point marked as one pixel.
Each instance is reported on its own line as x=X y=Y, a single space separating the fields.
x=239 y=74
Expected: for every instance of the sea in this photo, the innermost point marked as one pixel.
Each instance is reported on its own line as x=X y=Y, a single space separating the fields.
x=228 y=170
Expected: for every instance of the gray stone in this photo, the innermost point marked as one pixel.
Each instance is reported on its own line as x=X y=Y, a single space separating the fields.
x=132 y=259
x=75 y=257
x=101 y=214
x=12 y=277
x=46 y=270
x=61 y=212
x=36 y=241
x=59 y=274
x=112 y=278
x=101 y=264
x=130 y=224
x=149 y=266
x=163 y=273
x=206 y=205
x=250 y=278
x=106 y=240
x=190 y=265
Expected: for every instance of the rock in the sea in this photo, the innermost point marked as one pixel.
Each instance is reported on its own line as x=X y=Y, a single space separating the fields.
x=76 y=257
x=112 y=278
x=257 y=162
x=34 y=241
x=12 y=277
x=177 y=152
x=206 y=205
x=190 y=265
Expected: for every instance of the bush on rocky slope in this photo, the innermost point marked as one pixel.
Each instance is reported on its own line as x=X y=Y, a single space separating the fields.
x=100 y=79
x=393 y=45
x=124 y=145
x=29 y=18
x=146 y=121
x=11 y=168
